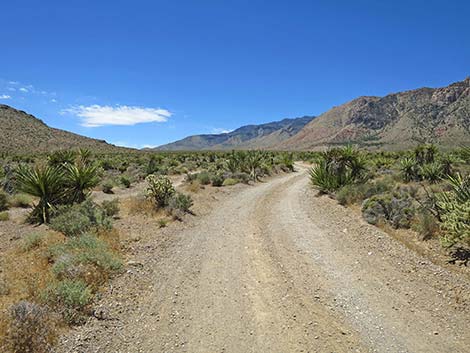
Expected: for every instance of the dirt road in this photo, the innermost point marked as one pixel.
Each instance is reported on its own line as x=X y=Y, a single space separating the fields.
x=274 y=268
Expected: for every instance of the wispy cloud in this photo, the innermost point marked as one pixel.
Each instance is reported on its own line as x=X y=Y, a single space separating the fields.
x=133 y=145
x=219 y=130
x=5 y=96
x=24 y=89
x=97 y=115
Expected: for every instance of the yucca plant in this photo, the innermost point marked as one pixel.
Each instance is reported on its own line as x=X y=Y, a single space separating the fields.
x=80 y=178
x=84 y=155
x=338 y=167
x=432 y=172
x=47 y=183
x=455 y=211
x=408 y=169
x=287 y=161
x=61 y=158
x=253 y=162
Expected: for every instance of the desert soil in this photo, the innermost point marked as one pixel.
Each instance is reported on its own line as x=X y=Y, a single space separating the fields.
x=274 y=268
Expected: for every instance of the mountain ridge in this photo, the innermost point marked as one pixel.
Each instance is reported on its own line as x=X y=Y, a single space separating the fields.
x=266 y=135
x=395 y=121
x=21 y=132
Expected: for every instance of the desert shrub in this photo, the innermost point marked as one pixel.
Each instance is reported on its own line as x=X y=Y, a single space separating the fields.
x=77 y=256
x=217 y=180
x=336 y=168
x=110 y=208
x=394 y=208
x=3 y=201
x=69 y=297
x=162 y=223
x=4 y=216
x=71 y=222
x=31 y=328
x=20 y=200
x=180 y=202
x=356 y=193
x=159 y=189
x=125 y=182
x=32 y=241
x=426 y=224
x=230 y=182
x=108 y=188
x=79 y=218
x=204 y=178
x=242 y=177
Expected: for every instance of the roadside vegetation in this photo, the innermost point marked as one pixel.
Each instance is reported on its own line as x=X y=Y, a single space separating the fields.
x=425 y=189
x=51 y=276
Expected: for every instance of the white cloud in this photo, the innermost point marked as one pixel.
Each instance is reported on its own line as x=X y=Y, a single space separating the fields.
x=132 y=145
x=5 y=96
x=53 y=100
x=23 y=89
x=97 y=115
x=219 y=130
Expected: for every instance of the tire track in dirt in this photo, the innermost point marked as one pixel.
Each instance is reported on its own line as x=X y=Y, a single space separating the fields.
x=274 y=269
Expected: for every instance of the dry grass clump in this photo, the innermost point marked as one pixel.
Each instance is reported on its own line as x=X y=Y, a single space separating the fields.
x=32 y=328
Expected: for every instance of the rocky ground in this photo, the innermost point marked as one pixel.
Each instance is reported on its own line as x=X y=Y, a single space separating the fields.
x=273 y=268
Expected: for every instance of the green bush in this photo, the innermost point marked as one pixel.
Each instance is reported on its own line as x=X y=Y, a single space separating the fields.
x=426 y=225
x=180 y=202
x=204 y=178
x=3 y=201
x=125 y=182
x=73 y=258
x=20 y=200
x=160 y=189
x=217 y=180
x=230 y=182
x=108 y=188
x=110 y=208
x=32 y=241
x=356 y=193
x=395 y=208
x=80 y=218
x=4 y=216
x=69 y=297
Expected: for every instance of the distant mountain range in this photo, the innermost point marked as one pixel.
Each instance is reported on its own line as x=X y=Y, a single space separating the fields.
x=23 y=133
x=265 y=136
x=396 y=121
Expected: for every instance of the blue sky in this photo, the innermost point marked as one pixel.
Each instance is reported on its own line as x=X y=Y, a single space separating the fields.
x=143 y=73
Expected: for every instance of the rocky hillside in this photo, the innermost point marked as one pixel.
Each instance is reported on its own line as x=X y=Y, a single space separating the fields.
x=396 y=121
x=263 y=136
x=23 y=133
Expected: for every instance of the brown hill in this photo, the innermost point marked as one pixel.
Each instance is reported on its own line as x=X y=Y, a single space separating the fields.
x=23 y=133
x=396 y=121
